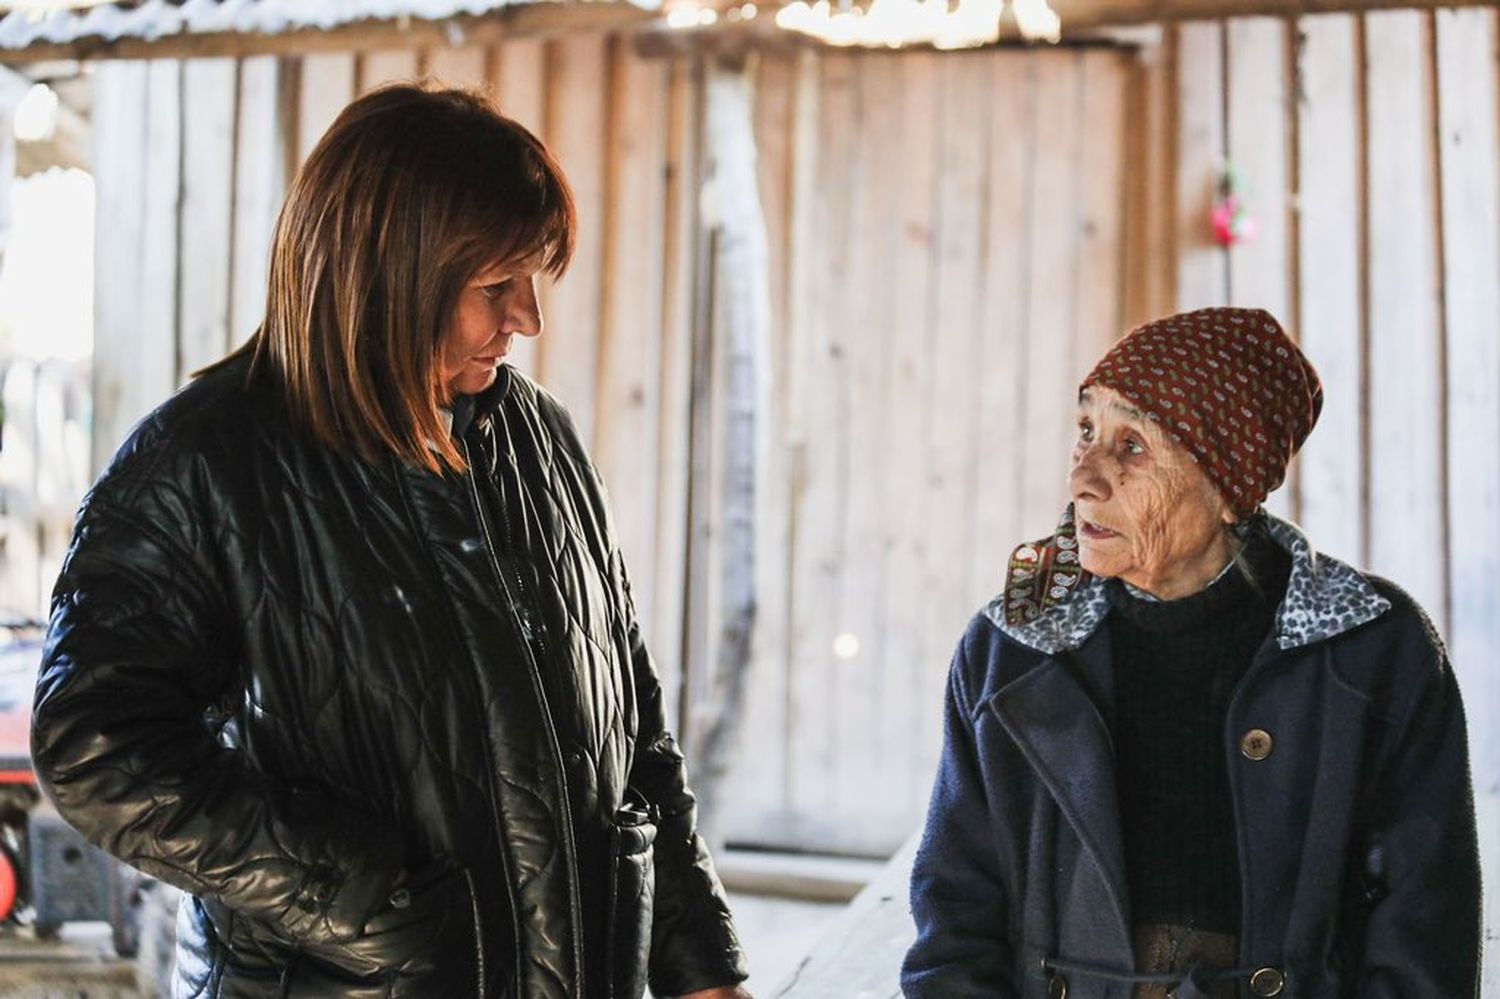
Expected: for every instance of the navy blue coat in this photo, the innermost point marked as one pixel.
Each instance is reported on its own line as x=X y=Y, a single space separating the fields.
x=1357 y=845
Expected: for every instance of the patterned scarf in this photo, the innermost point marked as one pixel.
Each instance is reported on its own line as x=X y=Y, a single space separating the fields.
x=1043 y=573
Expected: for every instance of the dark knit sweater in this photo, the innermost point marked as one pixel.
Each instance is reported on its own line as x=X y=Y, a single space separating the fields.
x=1176 y=665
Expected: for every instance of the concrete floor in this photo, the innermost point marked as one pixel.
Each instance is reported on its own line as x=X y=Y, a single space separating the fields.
x=777 y=934
x=79 y=965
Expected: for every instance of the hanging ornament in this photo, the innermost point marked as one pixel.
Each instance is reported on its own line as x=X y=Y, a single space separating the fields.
x=1232 y=221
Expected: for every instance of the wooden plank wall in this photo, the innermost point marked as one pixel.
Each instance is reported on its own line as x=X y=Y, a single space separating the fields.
x=1369 y=148
x=194 y=158
x=934 y=311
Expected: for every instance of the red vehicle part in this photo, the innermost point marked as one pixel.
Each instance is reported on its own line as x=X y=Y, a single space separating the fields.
x=10 y=884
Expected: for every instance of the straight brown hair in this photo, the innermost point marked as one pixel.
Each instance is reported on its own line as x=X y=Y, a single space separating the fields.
x=410 y=193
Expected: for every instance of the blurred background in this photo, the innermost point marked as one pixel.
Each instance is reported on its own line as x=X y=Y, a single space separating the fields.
x=841 y=269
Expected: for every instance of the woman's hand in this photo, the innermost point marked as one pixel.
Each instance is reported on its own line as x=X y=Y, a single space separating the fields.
x=722 y=992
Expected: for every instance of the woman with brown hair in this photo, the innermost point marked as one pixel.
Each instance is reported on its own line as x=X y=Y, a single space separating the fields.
x=344 y=646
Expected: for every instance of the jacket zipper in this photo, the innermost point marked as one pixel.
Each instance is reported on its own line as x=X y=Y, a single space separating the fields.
x=478 y=929
x=614 y=904
x=523 y=626
x=494 y=795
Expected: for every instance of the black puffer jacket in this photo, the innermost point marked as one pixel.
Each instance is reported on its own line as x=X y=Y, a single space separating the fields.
x=396 y=733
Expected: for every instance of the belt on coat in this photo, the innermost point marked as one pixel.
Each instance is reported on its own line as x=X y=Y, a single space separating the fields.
x=1196 y=982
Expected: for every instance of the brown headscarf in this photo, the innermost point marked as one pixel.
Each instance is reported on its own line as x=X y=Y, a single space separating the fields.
x=1227 y=384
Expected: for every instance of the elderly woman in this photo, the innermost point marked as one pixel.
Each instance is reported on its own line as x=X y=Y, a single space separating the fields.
x=1185 y=755
x=344 y=646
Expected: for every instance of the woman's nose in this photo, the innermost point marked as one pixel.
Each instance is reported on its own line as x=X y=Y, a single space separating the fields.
x=525 y=313
x=1086 y=481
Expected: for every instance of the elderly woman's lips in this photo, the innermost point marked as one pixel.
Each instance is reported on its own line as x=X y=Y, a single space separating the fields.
x=1089 y=530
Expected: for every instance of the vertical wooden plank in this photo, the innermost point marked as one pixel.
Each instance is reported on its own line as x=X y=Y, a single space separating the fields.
x=805 y=247
x=119 y=159
x=1202 y=271
x=259 y=186
x=761 y=759
x=867 y=754
x=1406 y=391
x=520 y=87
x=1260 y=268
x=62 y=478
x=1257 y=142
x=520 y=92
x=907 y=647
x=1470 y=164
x=823 y=442
x=326 y=86
x=673 y=460
x=1100 y=198
x=1330 y=306
x=1050 y=389
x=628 y=389
x=461 y=66
x=1469 y=151
x=155 y=368
x=706 y=425
x=208 y=129
x=1151 y=185
x=21 y=460
x=948 y=471
x=1001 y=350
x=576 y=133
x=383 y=66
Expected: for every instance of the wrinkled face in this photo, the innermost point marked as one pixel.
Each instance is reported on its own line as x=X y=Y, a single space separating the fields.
x=496 y=305
x=1145 y=512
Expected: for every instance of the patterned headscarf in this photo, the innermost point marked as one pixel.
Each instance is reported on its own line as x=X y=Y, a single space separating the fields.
x=1226 y=384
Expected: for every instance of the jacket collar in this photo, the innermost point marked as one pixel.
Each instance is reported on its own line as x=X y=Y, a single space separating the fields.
x=1324 y=598
x=486 y=402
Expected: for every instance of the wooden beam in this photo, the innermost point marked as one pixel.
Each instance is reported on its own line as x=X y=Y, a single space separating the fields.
x=1086 y=14
x=731 y=40
x=1082 y=20
x=525 y=20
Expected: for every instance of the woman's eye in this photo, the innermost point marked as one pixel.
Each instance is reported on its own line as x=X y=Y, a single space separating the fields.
x=495 y=290
x=1133 y=446
x=1085 y=432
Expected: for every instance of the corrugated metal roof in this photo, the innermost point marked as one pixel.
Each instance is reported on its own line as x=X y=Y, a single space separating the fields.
x=154 y=19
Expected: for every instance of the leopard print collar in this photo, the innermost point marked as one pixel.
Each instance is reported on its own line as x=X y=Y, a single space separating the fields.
x=1324 y=598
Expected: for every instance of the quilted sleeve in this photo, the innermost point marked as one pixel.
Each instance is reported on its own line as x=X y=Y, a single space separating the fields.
x=693 y=940
x=139 y=646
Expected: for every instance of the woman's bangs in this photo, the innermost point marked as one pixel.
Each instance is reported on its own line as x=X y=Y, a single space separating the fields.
x=533 y=216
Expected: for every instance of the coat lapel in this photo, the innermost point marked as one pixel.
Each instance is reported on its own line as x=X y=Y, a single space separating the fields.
x=1053 y=714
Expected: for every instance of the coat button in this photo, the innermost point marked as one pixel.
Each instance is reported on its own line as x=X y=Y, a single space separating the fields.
x=1256 y=744
x=1267 y=982
x=1057 y=986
